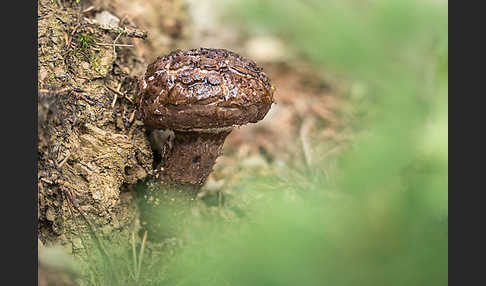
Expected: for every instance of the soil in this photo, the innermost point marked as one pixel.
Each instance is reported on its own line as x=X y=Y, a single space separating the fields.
x=91 y=140
x=93 y=147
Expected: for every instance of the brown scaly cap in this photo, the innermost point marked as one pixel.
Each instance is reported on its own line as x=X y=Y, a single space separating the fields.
x=203 y=89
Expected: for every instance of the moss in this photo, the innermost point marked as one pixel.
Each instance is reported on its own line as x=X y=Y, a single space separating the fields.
x=95 y=61
x=85 y=42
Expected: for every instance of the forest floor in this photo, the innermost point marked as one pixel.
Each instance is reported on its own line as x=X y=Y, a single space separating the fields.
x=76 y=60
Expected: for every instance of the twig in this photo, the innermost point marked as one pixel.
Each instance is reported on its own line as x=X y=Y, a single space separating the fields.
x=129 y=99
x=128 y=32
x=88 y=99
x=121 y=94
x=124 y=31
x=132 y=117
x=88 y=9
x=46 y=181
x=117 y=92
x=114 y=100
x=55 y=92
x=79 y=92
x=116 y=95
x=114 y=45
x=65 y=159
x=68 y=44
x=73 y=90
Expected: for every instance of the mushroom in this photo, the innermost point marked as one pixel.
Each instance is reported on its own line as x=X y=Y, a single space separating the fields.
x=191 y=100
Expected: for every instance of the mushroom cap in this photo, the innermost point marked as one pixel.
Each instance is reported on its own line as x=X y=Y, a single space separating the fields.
x=203 y=89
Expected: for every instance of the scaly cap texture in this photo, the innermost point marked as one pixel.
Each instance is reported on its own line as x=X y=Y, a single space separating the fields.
x=203 y=89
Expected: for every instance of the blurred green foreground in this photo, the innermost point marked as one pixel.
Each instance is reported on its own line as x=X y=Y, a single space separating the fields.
x=380 y=218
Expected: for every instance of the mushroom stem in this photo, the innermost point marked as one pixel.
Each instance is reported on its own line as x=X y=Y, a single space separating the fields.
x=190 y=159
